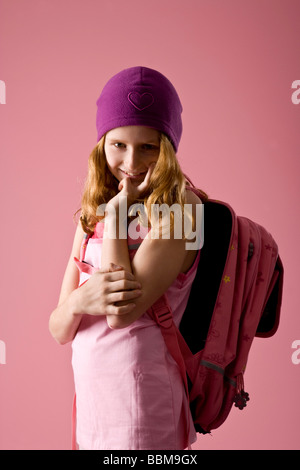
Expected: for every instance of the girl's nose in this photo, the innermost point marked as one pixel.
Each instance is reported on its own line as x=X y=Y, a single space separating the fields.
x=132 y=159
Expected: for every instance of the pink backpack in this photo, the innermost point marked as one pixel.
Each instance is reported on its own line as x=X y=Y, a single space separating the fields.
x=236 y=295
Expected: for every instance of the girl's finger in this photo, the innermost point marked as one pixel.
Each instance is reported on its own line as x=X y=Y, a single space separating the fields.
x=115 y=267
x=144 y=185
x=118 y=275
x=123 y=285
x=121 y=310
x=124 y=183
x=124 y=296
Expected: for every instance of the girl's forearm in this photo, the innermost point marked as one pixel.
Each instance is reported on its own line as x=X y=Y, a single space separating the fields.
x=115 y=246
x=65 y=319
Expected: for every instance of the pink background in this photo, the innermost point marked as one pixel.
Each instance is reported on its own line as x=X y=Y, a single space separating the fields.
x=233 y=63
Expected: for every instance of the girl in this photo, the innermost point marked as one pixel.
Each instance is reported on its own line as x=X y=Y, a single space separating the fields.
x=129 y=394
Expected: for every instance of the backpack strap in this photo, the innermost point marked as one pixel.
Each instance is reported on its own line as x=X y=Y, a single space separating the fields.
x=84 y=245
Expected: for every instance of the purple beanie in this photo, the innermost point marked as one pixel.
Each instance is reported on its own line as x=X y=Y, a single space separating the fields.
x=140 y=96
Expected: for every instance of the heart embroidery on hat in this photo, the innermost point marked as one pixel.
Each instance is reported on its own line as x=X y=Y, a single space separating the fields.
x=141 y=101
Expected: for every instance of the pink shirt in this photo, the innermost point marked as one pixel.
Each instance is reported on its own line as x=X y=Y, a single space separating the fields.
x=129 y=393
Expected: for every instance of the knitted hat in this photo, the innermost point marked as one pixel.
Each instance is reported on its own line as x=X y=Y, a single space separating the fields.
x=140 y=96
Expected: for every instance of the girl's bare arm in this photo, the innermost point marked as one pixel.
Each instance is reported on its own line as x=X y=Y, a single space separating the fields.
x=96 y=297
x=155 y=265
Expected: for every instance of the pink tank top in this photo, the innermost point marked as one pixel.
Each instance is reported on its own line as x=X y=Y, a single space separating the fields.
x=129 y=392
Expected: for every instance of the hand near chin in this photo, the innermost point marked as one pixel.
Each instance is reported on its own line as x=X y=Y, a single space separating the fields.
x=132 y=191
x=129 y=189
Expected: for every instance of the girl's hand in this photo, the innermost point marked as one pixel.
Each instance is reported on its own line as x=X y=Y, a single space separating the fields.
x=105 y=288
x=128 y=188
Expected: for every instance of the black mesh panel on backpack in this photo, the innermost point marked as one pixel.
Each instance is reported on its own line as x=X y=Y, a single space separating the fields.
x=197 y=316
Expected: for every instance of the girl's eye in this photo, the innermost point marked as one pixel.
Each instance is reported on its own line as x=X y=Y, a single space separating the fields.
x=144 y=147
x=150 y=147
x=119 y=145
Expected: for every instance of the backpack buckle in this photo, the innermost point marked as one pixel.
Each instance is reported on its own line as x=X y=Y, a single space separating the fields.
x=161 y=312
x=163 y=316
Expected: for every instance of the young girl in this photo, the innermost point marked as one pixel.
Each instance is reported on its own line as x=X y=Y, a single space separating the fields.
x=129 y=393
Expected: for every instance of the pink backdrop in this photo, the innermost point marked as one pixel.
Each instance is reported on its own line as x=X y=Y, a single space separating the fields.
x=233 y=63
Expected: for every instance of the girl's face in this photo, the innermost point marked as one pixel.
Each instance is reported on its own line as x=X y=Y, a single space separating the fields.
x=130 y=151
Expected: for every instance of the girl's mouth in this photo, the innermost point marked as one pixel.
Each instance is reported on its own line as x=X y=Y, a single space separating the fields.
x=136 y=175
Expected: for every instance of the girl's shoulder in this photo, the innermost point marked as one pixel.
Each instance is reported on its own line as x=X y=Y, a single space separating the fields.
x=191 y=196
